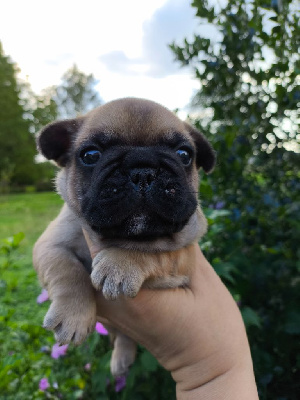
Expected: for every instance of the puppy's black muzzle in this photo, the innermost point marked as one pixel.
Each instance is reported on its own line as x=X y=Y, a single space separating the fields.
x=138 y=192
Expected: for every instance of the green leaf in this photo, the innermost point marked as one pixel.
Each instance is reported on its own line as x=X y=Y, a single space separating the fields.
x=276 y=29
x=12 y=242
x=149 y=363
x=17 y=238
x=215 y=214
x=292 y=325
x=99 y=382
x=225 y=270
x=205 y=189
x=250 y=317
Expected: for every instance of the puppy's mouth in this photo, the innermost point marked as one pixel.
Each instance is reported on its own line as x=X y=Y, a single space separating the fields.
x=137 y=227
x=139 y=210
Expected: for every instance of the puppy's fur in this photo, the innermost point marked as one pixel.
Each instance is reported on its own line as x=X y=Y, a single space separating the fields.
x=129 y=178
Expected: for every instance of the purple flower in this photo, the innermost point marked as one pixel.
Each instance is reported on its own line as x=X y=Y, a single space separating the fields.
x=44 y=384
x=219 y=205
x=58 y=351
x=43 y=296
x=100 y=329
x=87 y=367
x=120 y=383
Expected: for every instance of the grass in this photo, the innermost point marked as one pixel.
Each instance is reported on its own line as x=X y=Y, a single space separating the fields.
x=23 y=363
x=29 y=213
x=25 y=347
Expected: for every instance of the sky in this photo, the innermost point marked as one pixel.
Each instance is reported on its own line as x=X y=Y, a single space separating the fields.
x=124 y=43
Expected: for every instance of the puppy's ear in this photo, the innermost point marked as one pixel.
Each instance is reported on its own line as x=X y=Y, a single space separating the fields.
x=206 y=156
x=54 y=141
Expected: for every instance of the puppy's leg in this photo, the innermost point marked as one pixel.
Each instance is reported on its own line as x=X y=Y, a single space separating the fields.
x=122 y=271
x=123 y=354
x=124 y=351
x=167 y=282
x=61 y=270
x=173 y=269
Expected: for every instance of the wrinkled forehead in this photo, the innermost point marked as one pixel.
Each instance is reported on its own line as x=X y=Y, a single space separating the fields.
x=132 y=120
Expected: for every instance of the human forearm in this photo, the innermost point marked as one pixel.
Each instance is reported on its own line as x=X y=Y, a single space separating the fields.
x=219 y=381
x=222 y=367
x=196 y=333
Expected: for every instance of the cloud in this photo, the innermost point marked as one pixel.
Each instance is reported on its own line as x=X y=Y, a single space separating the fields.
x=174 y=21
x=117 y=61
x=59 y=59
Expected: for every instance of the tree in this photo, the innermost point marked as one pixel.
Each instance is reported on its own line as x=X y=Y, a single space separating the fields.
x=17 y=148
x=76 y=94
x=248 y=106
x=40 y=109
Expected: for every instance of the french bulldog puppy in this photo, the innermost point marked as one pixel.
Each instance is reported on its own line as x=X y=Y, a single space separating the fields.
x=129 y=179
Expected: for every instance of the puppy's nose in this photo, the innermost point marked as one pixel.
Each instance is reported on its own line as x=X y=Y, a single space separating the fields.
x=142 y=178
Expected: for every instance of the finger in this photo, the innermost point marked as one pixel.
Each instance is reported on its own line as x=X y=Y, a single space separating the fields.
x=93 y=247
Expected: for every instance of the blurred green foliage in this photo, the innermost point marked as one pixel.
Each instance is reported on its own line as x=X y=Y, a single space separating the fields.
x=23 y=114
x=76 y=94
x=25 y=347
x=17 y=147
x=248 y=107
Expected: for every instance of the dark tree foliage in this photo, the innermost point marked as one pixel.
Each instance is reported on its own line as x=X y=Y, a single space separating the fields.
x=248 y=106
x=17 y=147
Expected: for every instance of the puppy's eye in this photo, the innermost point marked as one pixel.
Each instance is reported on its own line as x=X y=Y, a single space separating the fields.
x=90 y=157
x=185 y=156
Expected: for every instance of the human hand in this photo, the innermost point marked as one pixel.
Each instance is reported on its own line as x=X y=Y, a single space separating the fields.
x=196 y=333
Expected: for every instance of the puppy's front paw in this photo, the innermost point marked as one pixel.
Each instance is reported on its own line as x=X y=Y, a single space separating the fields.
x=72 y=320
x=115 y=276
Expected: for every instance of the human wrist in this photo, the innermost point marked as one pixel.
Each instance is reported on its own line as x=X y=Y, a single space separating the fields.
x=217 y=379
x=214 y=362
x=233 y=384
x=226 y=373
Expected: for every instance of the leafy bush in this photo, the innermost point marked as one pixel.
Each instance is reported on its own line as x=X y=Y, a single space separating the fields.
x=248 y=107
x=255 y=250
